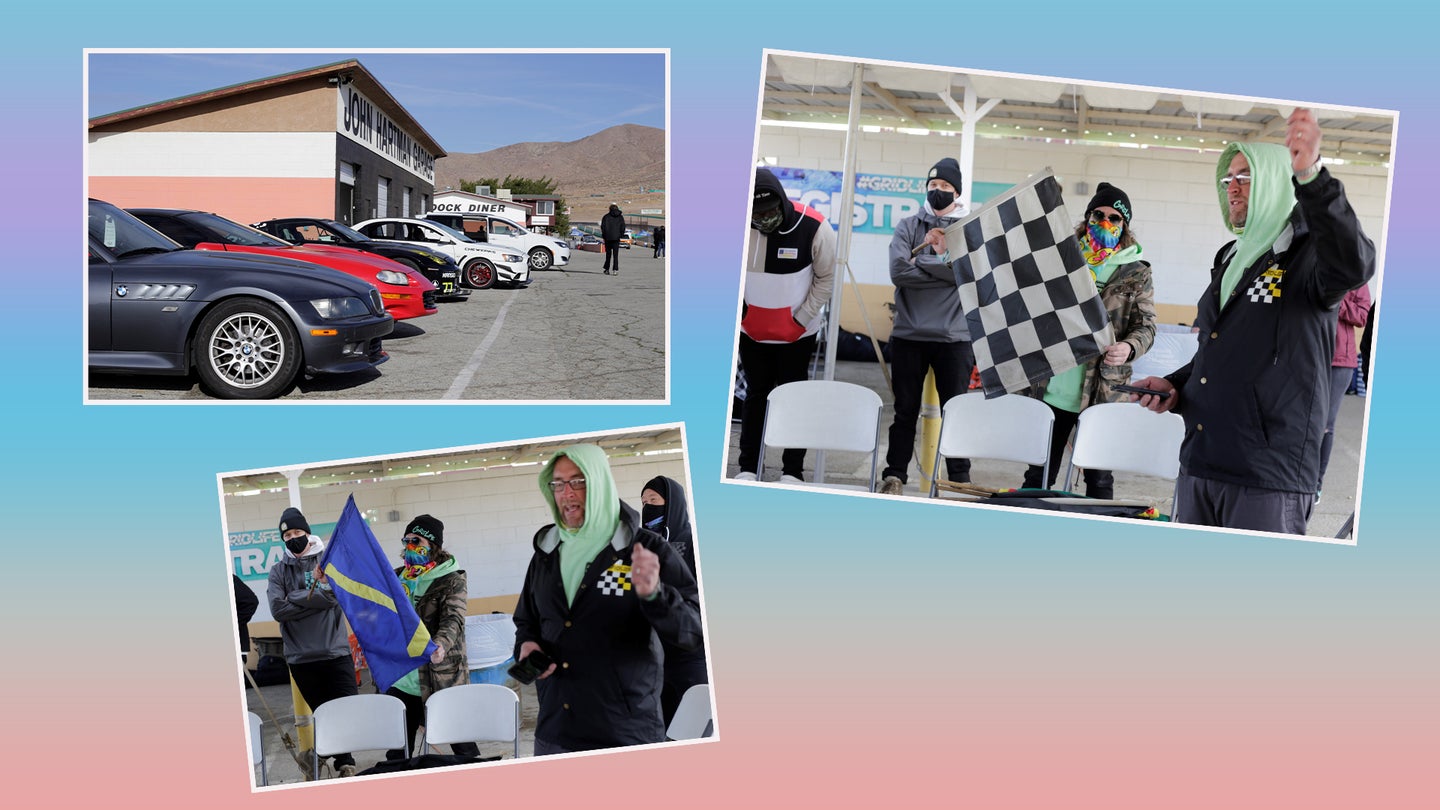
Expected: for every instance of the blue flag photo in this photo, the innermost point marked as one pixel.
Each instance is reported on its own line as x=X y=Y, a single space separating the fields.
x=390 y=633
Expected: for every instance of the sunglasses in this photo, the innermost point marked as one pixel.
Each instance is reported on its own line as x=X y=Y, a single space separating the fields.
x=575 y=484
x=1242 y=178
x=1097 y=217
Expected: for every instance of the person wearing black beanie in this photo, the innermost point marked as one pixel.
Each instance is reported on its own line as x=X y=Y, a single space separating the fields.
x=930 y=333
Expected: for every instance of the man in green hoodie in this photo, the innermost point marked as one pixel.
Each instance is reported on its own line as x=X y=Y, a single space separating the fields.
x=599 y=591
x=1254 y=397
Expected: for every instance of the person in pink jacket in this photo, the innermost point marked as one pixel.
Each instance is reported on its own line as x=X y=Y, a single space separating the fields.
x=1354 y=312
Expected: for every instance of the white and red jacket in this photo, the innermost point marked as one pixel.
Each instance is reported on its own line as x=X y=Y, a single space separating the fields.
x=789 y=277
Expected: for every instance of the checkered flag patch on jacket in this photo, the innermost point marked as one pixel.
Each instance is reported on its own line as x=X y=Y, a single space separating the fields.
x=1030 y=301
x=615 y=581
x=1267 y=286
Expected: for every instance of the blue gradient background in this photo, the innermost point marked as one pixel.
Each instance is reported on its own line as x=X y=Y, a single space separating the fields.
x=865 y=653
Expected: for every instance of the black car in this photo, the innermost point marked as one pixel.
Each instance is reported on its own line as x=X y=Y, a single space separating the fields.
x=248 y=324
x=442 y=271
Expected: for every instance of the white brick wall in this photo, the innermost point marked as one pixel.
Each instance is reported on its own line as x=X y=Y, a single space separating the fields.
x=1177 y=214
x=490 y=516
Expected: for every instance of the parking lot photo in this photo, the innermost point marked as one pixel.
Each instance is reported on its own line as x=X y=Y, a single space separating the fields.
x=376 y=227
x=1018 y=251
x=466 y=606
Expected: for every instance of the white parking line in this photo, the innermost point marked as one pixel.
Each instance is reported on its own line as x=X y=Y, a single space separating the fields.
x=462 y=380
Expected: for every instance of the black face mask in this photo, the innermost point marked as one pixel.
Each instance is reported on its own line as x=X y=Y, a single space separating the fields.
x=652 y=517
x=767 y=220
x=939 y=199
x=297 y=544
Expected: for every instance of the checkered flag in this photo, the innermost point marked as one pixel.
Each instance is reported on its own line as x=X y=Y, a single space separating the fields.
x=1030 y=301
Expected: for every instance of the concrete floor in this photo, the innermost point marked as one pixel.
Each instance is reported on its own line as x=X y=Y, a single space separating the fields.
x=853 y=469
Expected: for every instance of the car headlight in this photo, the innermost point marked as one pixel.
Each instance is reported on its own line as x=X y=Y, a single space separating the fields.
x=335 y=308
x=512 y=258
x=393 y=277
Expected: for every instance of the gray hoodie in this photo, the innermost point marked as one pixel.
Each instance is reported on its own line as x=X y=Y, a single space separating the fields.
x=927 y=302
x=312 y=625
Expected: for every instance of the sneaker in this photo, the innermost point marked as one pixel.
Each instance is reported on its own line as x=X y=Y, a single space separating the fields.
x=1317 y=496
x=892 y=485
x=790 y=479
x=347 y=771
x=745 y=476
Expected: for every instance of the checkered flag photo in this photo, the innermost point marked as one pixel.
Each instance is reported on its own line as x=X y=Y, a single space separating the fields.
x=1030 y=301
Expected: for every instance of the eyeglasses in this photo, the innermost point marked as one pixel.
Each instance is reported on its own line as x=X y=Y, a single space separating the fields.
x=412 y=540
x=1242 y=178
x=1096 y=216
x=575 y=484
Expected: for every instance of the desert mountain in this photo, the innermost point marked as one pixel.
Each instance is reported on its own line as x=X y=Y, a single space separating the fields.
x=616 y=165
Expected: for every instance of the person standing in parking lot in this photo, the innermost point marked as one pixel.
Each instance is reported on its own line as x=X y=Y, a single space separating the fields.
x=612 y=228
x=659 y=241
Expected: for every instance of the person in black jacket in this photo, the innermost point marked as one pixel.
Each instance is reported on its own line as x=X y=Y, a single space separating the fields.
x=663 y=512
x=1254 y=396
x=598 y=593
x=612 y=229
x=246 y=603
x=659 y=237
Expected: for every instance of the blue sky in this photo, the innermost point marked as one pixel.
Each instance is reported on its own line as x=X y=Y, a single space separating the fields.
x=469 y=102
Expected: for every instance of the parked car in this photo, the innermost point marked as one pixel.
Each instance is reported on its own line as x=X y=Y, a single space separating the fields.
x=406 y=293
x=482 y=266
x=441 y=270
x=543 y=252
x=590 y=244
x=248 y=324
x=627 y=240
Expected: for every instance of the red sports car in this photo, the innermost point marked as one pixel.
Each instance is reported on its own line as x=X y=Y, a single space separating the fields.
x=405 y=292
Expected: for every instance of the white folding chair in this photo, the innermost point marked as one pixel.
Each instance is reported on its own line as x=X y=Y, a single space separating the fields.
x=823 y=415
x=1009 y=427
x=1124 y=437
x=472 y=712
x=359 y=723
x=257 y=748
x=692 y=718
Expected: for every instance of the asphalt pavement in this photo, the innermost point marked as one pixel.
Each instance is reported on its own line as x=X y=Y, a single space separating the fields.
x=573 y=334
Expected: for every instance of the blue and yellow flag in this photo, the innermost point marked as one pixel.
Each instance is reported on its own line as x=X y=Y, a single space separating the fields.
x=390 y=633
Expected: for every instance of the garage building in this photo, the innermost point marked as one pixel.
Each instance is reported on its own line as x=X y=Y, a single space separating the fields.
x=328 y=141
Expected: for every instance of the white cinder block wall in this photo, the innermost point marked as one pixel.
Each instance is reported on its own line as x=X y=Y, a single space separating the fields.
x=1177 y=213
x=490 y=516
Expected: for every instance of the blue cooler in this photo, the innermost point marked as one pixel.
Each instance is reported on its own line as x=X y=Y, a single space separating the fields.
x=496 y=674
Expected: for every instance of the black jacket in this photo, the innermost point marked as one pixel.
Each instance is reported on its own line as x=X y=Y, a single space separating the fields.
x=246 y=603
x=1255 y=395
x=605 y=691
x=612 y=225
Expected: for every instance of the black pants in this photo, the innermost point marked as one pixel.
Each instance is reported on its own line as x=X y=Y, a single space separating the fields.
x=414 y=715
x=323 y=681
x=612 y=255
x=1098 y=483
x=910 y=359
x=768 y=365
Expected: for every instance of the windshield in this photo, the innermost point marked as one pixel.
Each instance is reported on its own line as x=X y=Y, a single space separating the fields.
x=122 y=233
x=220 y=229
x=344 y=230
x=449 y=230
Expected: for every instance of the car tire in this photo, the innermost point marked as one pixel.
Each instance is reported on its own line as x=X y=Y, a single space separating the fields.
x=480 y=274
x=245 y=348
x=541 y=259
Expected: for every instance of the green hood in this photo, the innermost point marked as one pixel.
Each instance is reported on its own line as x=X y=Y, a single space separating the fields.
x=602 y=512
x=1272 y=198
x=422 y=582
x=1115 y=261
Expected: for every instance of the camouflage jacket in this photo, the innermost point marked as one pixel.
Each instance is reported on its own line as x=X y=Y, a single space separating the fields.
x=443 y=608
x=1129 y=297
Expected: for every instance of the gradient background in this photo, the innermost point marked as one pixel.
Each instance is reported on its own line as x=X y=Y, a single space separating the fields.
x=865 y=653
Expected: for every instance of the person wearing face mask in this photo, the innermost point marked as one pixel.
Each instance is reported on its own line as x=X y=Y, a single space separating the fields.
x=663 y=511
x=312 y=626
x=789 y=275
x=1255 y=395
x=600 y=596
x=1127 y=289
x=438 y=589
x=929 y=332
